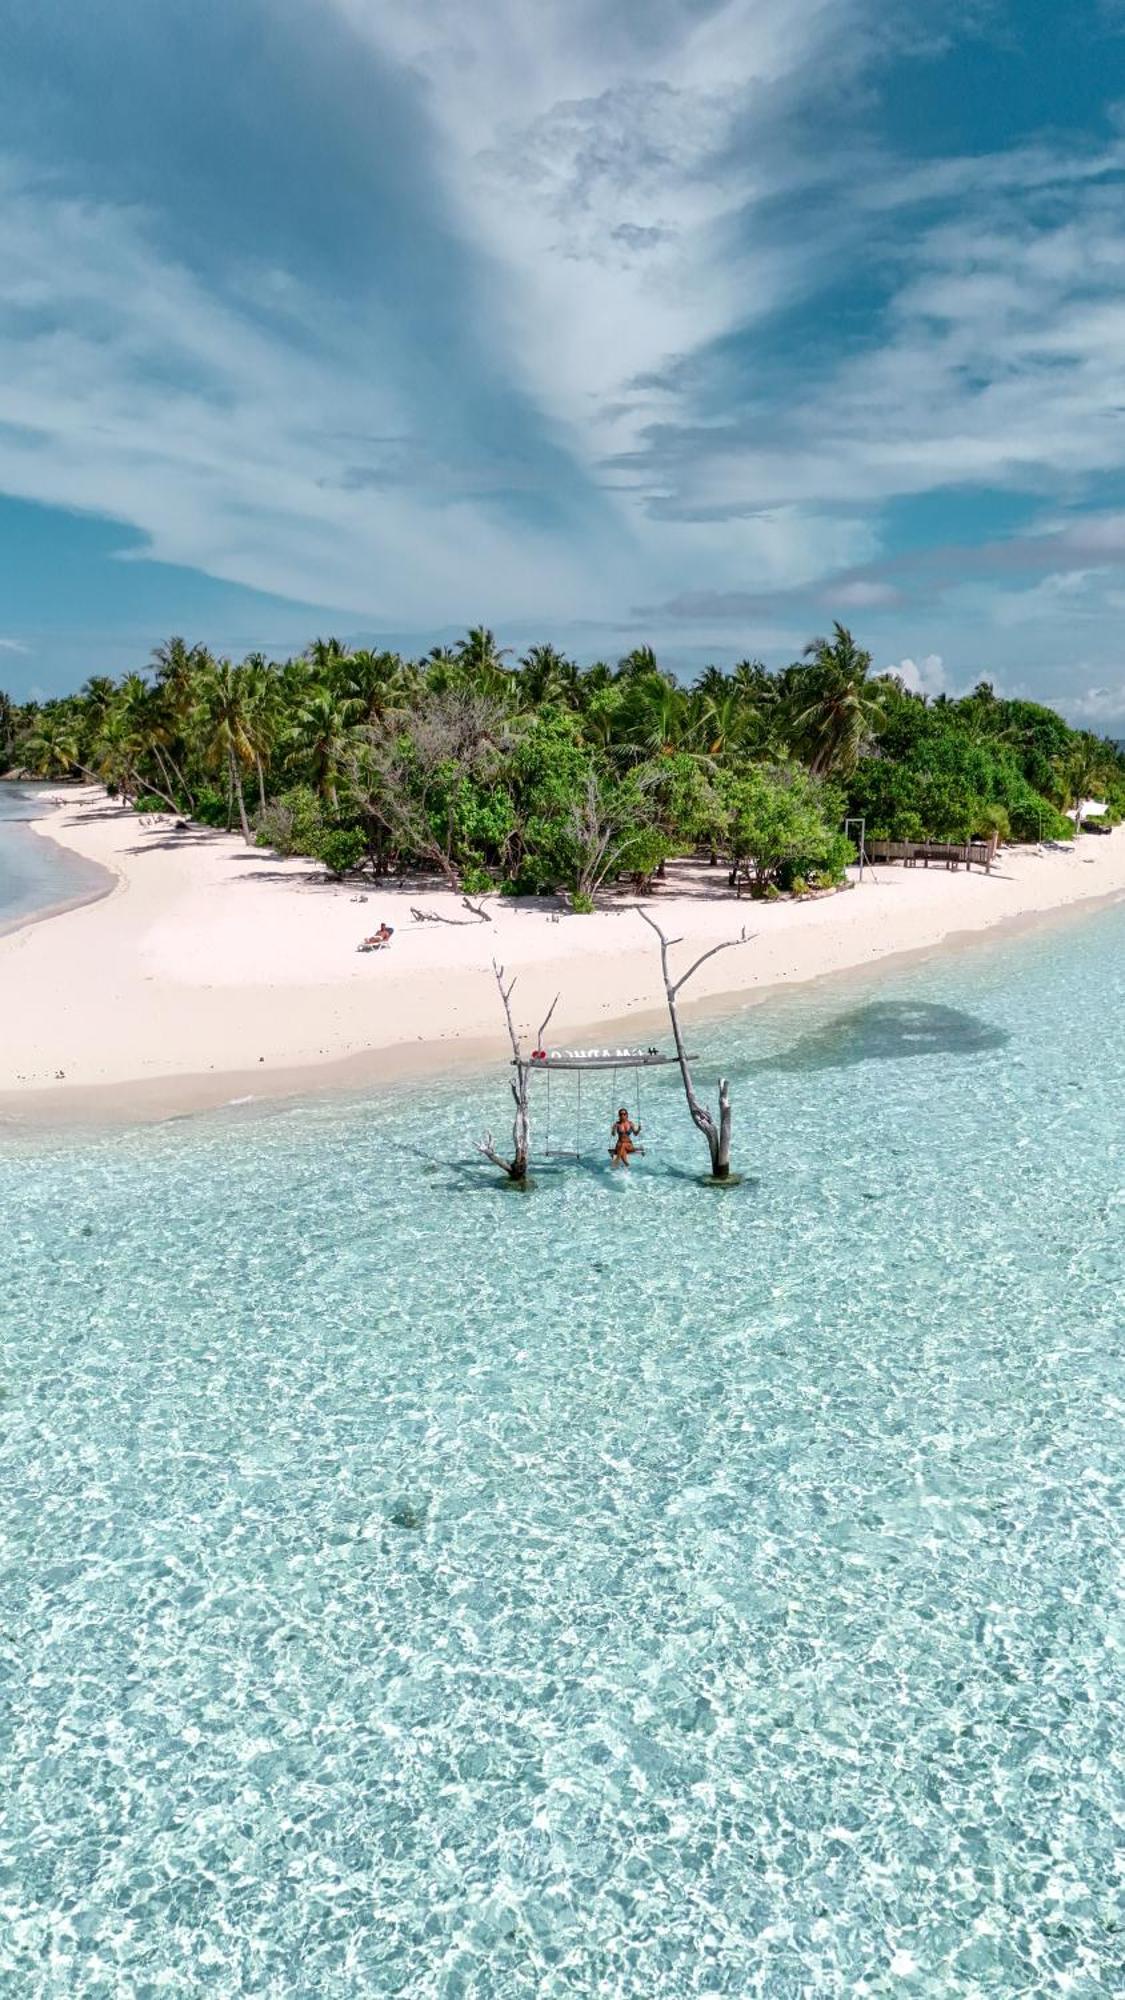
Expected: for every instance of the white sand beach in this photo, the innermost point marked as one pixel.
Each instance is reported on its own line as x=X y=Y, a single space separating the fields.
x=214 y=970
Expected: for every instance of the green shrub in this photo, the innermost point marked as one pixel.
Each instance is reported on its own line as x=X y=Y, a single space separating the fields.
x=293 y=823
x=210 y=808
x=991 y=820
x=476 y=881
x=149 y=803
x=341 y=849
x=582 y=904
x=1034 y=818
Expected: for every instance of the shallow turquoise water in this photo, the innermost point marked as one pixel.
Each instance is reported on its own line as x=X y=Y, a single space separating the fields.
x=628 y=1589
x=35 y=874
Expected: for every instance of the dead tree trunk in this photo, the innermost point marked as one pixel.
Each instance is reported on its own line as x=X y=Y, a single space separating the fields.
x=516 y=1167
x=717 y=1134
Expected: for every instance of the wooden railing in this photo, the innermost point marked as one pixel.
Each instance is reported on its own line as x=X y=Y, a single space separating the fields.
x=943 y=853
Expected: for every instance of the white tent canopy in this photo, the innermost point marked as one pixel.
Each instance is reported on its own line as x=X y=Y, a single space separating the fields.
x=1091 y=809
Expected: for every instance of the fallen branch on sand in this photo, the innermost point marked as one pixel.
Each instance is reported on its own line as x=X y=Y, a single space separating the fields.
x=480 y=914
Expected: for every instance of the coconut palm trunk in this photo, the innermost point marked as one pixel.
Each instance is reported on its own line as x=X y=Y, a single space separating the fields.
x=240 y=796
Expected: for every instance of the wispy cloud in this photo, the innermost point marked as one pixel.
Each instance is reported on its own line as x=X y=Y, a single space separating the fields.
x=590 y=311
x=13 y=646
x=131 y=388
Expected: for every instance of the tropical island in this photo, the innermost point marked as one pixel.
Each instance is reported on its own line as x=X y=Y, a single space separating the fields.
x=486 y=808
x=536 y=776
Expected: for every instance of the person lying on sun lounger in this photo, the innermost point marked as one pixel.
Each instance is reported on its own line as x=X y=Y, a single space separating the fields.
x=379 y=941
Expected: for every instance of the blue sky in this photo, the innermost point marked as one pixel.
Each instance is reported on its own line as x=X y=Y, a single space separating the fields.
x=703 y=321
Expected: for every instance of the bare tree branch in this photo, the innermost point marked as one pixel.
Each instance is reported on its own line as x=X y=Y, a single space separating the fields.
x=716 y=1135
x=516 y=1167
x=747 y=937
x=546 y=1023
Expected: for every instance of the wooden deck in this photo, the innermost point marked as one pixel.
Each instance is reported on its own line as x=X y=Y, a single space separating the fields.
x=942 y=853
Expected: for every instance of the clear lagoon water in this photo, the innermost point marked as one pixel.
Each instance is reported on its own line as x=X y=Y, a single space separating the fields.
x=628 y=1589
x=35 y=874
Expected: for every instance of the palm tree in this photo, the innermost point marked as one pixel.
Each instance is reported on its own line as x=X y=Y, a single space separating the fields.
x=654 y=714
x=838 y=707
x=637 y=664
x=178 y=666
x=1081 y=775
x=378 y=683
x=719 y=719
x=548 y=676
x=226 y=729
x=324 y=734
x=326 y=654
x=7 y=729
x=50 y=748
x=480 y=664
x=264 y=711
x=115 y=751
x=97 y=695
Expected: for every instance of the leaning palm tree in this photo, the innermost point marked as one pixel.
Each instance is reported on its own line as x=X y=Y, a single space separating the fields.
x=116 y=750
x=50 y=748
x=837 y=708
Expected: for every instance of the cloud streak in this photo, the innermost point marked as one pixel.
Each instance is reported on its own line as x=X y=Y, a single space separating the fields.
x=432 y=310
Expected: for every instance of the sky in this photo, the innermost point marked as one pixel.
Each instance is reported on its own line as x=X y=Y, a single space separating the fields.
x=702 y=322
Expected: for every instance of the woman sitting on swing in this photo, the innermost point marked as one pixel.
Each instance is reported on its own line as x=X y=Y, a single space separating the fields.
x=624 y=1132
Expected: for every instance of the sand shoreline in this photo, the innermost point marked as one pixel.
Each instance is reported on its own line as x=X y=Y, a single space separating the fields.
x=209 y=972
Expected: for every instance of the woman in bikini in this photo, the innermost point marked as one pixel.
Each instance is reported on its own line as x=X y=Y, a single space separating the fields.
x=624 y=1132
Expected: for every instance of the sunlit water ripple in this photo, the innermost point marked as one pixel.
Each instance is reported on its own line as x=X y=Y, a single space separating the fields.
x=629 y=1589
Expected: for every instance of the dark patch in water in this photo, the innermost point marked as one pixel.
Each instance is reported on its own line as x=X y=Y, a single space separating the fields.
x=887 y=1031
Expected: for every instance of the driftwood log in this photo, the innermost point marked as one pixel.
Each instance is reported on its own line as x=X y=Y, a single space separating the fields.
x=716 y=1132
x=434 y=917
x=516 y=1167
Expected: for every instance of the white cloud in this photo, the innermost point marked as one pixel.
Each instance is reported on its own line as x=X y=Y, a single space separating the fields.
x=130 y=389
x=1095 y=706
x=1000 y=362
x=925 y=676
x=13 y=646
x=612 y=169
x=864 y=595
x=588 y=153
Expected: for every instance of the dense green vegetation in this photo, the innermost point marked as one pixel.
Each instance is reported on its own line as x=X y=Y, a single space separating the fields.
x=536 y=776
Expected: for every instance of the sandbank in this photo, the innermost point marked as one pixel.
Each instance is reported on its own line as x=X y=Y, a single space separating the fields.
x=213 y=971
